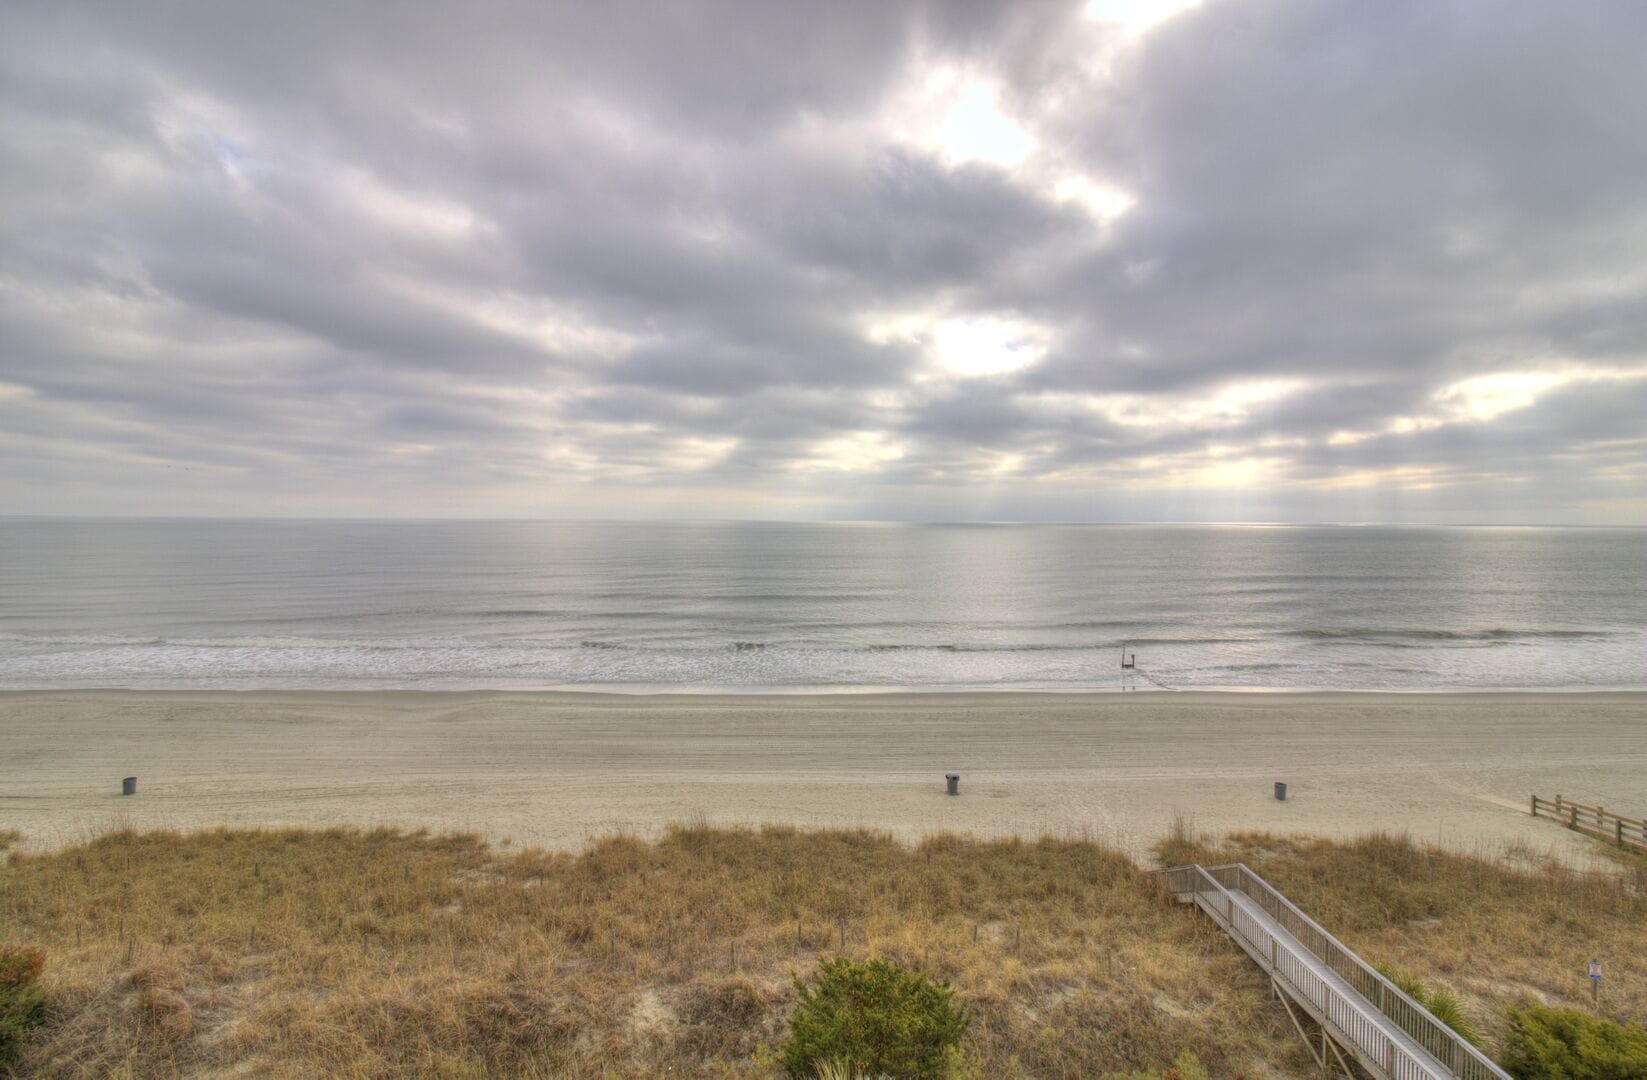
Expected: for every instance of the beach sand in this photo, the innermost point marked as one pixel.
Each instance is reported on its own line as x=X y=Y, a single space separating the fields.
x=555 y=769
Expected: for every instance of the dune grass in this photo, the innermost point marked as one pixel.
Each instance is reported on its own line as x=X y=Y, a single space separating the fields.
x=348 y=953
x=364 y=954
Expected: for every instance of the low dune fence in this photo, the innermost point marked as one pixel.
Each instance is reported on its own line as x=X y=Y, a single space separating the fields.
x=1594 y=820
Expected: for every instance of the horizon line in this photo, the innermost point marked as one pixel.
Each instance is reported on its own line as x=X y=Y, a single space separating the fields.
x=1174 y=522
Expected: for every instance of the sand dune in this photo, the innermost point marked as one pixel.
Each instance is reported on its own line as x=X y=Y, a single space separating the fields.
x=554 y=769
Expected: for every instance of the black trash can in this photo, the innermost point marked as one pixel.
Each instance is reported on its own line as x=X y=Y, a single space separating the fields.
x=128 y=786
x=1280 y=791
x=954 y=779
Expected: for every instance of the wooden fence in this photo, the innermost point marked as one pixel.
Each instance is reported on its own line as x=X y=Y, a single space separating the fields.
x=1594 y=820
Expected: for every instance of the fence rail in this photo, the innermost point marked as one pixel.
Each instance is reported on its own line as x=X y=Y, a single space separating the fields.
x=1363 y=1018
x=1594 y=820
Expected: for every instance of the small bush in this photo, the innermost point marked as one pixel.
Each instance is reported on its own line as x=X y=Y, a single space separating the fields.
x=22 y=1005
x=1564 y=1044
x=874 y=1018
x=20 y=968
x=1445 y=1005
x=169 y=1013
x=722 y=1016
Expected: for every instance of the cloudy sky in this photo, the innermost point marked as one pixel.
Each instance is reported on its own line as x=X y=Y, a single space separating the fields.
x=1235 y=260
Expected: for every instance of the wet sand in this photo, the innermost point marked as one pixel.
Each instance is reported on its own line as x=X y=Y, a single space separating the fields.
x=554 y=769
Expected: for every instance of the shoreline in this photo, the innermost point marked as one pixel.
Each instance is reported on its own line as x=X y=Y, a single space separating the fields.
x=825 y=693
x=554 y=769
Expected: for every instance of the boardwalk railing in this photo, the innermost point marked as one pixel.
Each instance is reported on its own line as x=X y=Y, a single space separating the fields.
x=1362 y=1020
x=1593 y=820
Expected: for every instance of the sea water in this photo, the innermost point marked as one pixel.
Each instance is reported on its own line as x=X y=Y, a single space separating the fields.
x=766 y=606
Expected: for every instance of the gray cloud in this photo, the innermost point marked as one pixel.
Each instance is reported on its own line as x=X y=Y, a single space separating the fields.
x=735 y=259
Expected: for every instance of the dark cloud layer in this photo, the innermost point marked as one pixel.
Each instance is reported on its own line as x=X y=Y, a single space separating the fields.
x=1255 y=260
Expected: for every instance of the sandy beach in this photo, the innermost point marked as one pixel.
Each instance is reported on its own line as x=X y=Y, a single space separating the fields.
x=554 y=769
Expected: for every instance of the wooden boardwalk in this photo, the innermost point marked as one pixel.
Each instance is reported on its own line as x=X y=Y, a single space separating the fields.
x=1357 y=1011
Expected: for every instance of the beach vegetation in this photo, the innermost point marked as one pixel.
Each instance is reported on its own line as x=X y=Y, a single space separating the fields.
x=875 y=1016
x=22 y=1002
x=1443 y=1004
x=344 y=952
x=1544 y=1043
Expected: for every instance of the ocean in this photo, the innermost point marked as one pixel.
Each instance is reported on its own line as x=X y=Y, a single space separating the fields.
x=766 y=606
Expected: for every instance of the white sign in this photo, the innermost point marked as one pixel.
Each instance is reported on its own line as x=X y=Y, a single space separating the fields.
x=1595 y=970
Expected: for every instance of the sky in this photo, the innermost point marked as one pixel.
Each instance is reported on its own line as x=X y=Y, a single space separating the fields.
x=1237 y=260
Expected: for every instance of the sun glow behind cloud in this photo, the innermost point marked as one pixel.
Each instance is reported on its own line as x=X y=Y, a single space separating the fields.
x=1481 y=399
x=969 y=346
x=974 y=347
x=954 y=115
x=976 y=130
x=857 y=452
x=1136 y=16
x=957 y=117
x=1222 y=407
x=1485 y=397
x=1104 y=202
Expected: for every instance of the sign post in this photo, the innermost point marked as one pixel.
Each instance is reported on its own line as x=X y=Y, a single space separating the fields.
x=1595 y=982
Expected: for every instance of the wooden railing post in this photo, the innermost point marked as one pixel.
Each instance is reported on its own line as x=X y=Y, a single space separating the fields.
x=1534 y=810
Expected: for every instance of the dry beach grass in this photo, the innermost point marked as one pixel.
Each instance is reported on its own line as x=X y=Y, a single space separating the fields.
x=351 y=953
x=374 y=954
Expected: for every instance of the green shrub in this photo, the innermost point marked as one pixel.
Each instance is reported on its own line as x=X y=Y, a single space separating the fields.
x=1448 y=1008
x=1443 y=1004
x=22 y=1005
x=1564 y=1044
x=837 y=1070
x=874 y=1018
